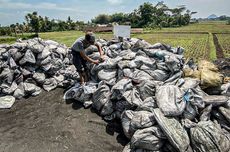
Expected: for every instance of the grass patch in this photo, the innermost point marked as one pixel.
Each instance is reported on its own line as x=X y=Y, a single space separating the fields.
x=12 y=39
x=7 y=40
x=212 y=54
x=68 y=37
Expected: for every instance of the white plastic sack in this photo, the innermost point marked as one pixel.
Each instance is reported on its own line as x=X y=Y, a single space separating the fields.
x=6 y=102
x=82 y=93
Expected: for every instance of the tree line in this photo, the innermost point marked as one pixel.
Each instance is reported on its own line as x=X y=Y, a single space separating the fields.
x=36 y=23
x=146 y=15
x=149 y=15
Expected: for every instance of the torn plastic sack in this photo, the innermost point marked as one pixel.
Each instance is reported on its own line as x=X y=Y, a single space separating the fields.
x=112 y=53
x=115 y=46
x=173 y=130
x=167 y=147
x=159 y=46
x=61 y=50
x=141 y=119
x=107 y=64
x=170 y=100
x=95 y=56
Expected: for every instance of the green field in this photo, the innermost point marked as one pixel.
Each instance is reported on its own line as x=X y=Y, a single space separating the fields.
x=196 y=45
x=224 y=40
x=210 y=27
x=7 y=39
x=197 y=39
x=68 y=37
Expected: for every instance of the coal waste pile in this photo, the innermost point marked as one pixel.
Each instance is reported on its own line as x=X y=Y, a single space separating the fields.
x=159 y=97
x=28 y=66
x=163 y=101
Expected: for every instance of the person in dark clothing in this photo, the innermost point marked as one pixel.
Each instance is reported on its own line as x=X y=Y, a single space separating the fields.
x=80 y=58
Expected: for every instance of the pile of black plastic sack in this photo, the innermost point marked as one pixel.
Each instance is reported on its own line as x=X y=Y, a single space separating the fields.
x=144 y=86
x=29 y=65
x=158 y=97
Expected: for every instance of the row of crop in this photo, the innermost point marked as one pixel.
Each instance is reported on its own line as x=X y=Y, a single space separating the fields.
x=196 y=45
x=224 y=41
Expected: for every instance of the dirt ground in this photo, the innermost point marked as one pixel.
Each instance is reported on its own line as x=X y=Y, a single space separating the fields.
x=47 y=123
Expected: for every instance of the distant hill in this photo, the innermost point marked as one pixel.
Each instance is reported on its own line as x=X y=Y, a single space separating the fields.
x=213 y=16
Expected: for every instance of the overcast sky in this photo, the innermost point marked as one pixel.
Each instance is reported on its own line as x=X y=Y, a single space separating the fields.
x=12 y=11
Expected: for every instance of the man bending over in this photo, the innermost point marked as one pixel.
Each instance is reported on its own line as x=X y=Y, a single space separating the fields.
x=80 y=58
